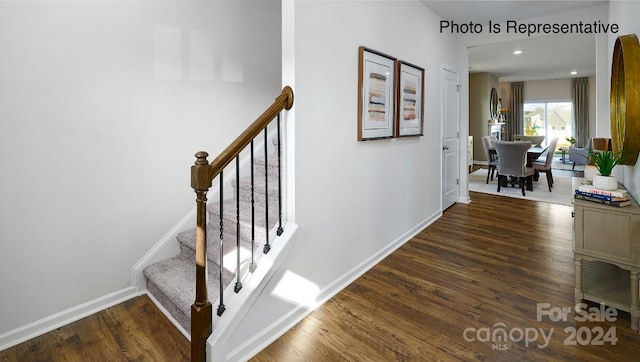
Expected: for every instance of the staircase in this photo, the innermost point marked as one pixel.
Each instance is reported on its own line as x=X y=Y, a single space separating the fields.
x=230 y=234
x=172 y=281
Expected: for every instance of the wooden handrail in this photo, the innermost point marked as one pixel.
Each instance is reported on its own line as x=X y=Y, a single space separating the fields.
x=283 y=101
x=202 y=175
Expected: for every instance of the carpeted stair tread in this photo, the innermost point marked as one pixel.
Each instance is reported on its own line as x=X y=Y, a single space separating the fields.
x=175 y=279
x=187 y=241
x=258 y=166
x=259 y=191
x=229 y=208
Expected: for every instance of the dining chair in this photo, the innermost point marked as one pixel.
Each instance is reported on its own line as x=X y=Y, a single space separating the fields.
x=492 y=156
x=545 y=166
x=535 y=140
x=512 y=162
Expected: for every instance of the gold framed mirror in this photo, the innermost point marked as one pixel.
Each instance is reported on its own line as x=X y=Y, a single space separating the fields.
x=493 y=104
x=624 y=100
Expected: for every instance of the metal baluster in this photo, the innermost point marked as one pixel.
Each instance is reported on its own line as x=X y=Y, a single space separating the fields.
x=280 y=229
x=238 y=285
x=267 y=247
x=221 y=306
x=253 y=265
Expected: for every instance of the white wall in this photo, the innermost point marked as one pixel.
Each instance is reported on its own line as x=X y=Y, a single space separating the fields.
x=480 y=85
x=353 y=199
x=545 y=90
x=102 y=106
x=625 y=14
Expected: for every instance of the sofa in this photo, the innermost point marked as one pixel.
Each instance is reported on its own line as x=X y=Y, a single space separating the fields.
x=580 y=155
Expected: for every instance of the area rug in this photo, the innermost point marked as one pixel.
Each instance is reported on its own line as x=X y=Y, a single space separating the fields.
x=561 y=192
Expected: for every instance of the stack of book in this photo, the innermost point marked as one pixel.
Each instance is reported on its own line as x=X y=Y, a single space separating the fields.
x=618 y=198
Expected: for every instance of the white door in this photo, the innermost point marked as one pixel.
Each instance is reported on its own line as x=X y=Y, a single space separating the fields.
x=450 y=152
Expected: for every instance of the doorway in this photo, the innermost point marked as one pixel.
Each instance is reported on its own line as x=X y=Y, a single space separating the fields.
x=450 y=142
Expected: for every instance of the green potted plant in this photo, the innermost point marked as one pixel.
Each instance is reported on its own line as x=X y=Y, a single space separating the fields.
x=571 y=140
x=605 y=161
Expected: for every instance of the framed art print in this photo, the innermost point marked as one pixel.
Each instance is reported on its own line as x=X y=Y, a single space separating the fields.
x=410 y=100
x=376 y=96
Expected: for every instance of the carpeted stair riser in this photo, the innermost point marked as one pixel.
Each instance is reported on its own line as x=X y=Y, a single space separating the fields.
x=259 y=192
x=172 y=282
x=187 y=241
x=230 y=226
x=172 y=308
x=259 y=171
x=230 y=218
x=187 y=238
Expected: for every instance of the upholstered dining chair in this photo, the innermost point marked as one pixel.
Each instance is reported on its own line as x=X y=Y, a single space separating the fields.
x=492 y=156
x=545 y=166
x=512 y=162
x=535 y=140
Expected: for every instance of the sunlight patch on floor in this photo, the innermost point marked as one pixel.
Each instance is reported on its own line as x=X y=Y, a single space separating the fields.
x=297 y=290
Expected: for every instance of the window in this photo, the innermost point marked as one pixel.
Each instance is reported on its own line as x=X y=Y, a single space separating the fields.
x=549 y=119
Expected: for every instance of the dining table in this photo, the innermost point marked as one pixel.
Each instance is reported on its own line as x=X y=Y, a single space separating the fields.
x=532 y=154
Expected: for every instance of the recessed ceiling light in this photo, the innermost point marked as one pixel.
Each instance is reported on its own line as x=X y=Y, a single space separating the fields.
x=573 y=72
x=517 y=52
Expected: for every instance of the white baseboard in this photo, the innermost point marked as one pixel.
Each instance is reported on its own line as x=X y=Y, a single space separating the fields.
x=57 y=320
x=464 y=200
x=279 y=327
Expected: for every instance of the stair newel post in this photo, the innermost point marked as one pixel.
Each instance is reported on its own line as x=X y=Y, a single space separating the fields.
x=267 y=247
x=238 y=285
x=253 y=266
x=201 y=310
x=280 y=229
x=221 y=306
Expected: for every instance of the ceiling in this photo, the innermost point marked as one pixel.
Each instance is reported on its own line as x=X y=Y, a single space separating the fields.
x=543 y=57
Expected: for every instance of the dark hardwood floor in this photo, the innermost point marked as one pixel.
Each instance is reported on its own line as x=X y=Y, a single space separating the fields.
x=481 y=264
x=135 y=330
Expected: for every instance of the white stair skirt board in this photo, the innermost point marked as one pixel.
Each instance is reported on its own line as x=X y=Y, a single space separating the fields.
x=561 y=193
x=218 y=344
